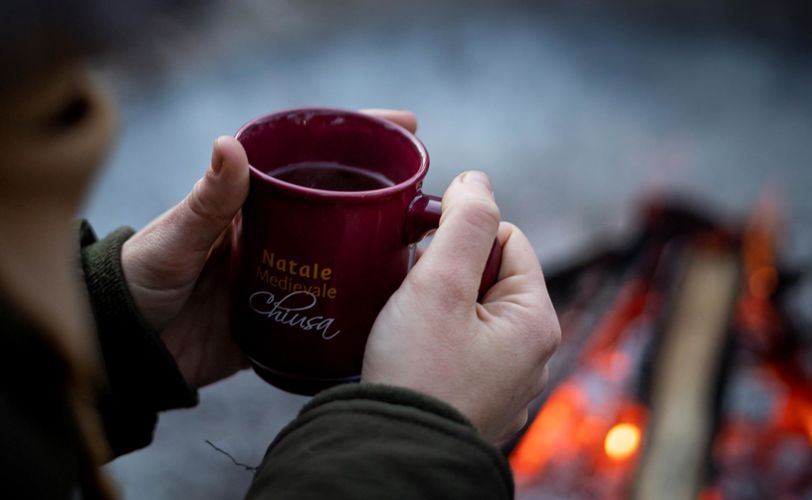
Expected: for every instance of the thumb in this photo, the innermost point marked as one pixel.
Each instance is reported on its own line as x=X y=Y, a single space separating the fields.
x=197 y=221
x=169 y=253
x=461 y=245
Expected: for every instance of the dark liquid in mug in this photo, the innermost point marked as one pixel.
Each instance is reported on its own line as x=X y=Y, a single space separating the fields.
x=331 y=176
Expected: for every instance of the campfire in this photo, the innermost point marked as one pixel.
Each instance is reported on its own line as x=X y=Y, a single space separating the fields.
x=680 y=374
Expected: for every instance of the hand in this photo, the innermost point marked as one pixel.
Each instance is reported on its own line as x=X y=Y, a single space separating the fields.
x=177 y=267
x=486 y=359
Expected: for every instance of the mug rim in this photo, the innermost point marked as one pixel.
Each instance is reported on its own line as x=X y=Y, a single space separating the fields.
x=325 y=194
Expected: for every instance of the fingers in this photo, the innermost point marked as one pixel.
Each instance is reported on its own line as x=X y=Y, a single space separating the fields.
x=543 y=381
x=516 y=425
x=520 y=420
x=418 y=252
x=463 y=240
x=518 y=256
x=201 y=217
x=405 y=119
x=520 y=280
x=521 y=283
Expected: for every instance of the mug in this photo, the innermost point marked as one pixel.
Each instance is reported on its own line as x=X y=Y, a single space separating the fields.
x=313 y=263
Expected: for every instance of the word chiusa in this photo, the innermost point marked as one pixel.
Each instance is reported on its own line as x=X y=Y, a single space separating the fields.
x=289 y=311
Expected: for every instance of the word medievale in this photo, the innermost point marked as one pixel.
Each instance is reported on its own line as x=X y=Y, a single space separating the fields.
x=287 y=284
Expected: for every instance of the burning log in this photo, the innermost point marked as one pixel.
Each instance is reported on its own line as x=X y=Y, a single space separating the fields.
x=685 y=380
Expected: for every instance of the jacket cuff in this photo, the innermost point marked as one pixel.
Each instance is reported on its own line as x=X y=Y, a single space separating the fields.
x=390 y=395
x=393 y=442
x=142 y=375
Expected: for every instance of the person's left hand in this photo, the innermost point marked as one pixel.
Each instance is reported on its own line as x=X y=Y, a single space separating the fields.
x=177 y=267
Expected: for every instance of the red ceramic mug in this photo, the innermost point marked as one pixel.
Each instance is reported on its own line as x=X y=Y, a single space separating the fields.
x=324 y=239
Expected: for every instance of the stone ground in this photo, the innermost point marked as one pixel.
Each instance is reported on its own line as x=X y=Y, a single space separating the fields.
x=575 y=117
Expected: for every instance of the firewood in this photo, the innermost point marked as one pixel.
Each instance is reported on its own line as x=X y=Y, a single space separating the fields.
x=685 y=376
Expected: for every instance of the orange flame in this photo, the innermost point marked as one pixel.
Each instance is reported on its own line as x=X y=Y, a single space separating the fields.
x=755 y=310
x=763 y=281
x=796 y=414
x=550 y=433
x=612 y=365
x=759 y=241
x=567 y=424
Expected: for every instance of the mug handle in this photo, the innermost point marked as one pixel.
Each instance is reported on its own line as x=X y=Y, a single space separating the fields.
x=424 y=216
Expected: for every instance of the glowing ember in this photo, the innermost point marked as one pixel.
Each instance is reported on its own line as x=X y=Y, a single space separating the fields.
x=808 y=422
x=549 y=434
x=622 y=441
x=763 y=281
x=711 y=494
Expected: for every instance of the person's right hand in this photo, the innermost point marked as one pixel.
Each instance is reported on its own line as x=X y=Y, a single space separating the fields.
x=486 y=359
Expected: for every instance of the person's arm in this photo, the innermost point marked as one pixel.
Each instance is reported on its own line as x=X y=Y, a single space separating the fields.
x=374 y=441
x=143 y=378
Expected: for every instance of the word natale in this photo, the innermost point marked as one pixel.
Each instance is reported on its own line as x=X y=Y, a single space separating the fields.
x=290 y=266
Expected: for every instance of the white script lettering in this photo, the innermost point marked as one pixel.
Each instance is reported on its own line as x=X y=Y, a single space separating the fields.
x=287 y=311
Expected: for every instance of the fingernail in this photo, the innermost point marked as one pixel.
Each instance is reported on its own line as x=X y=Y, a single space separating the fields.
x=477 y=177
x=216 y=158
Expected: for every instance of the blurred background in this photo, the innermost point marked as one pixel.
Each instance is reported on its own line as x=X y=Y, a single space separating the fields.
x=577 y=110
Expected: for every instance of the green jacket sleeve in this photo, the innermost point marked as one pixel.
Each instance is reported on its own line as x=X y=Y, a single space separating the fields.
x=379 y=442
x=142 y=376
